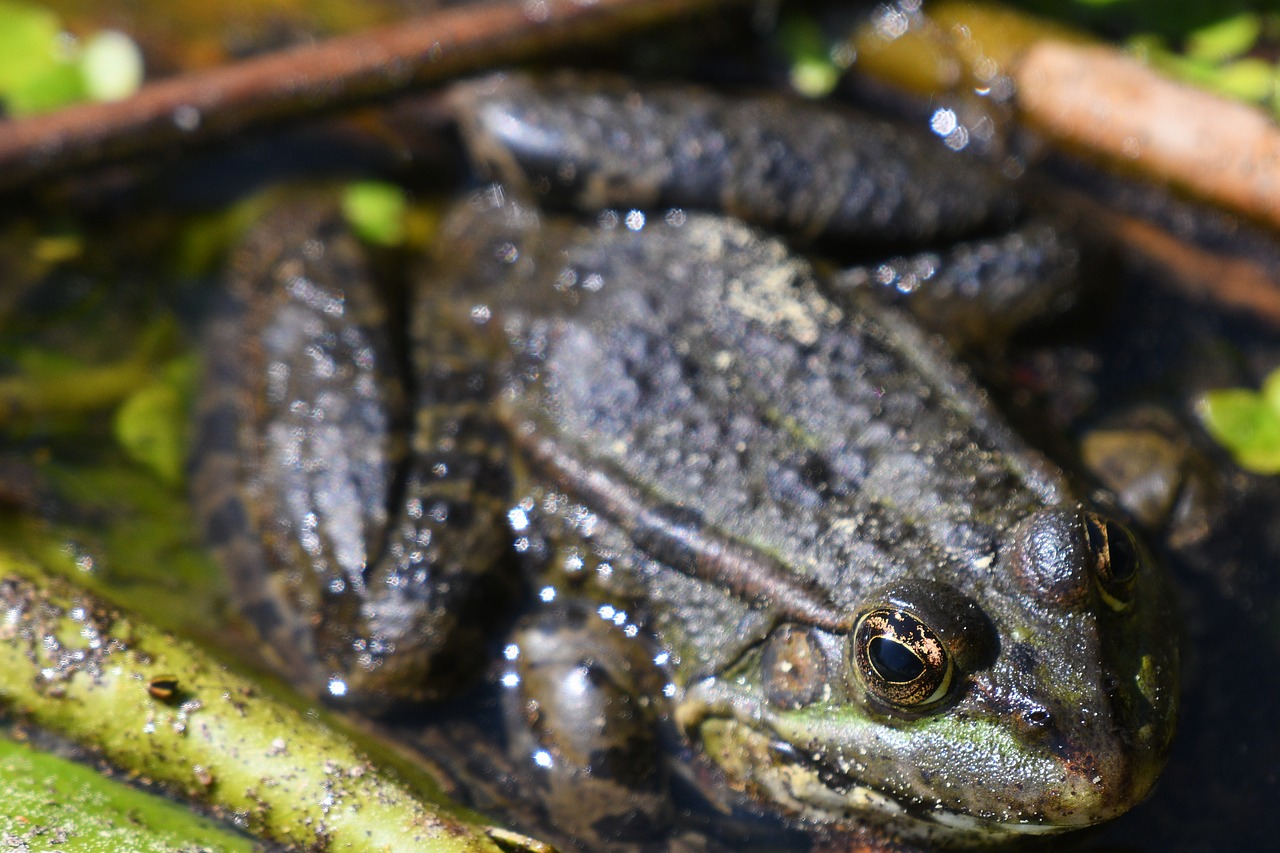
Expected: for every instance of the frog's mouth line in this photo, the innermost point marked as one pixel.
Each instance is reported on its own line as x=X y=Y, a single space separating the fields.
x=739 y=736
x=866 y=801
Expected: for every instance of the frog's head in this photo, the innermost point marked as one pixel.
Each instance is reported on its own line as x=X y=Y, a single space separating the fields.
x=1033 y=697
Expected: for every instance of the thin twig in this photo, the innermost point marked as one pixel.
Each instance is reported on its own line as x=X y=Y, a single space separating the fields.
x=226 y=100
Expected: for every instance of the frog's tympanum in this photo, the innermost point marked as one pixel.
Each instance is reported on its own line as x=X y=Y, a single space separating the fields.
x=782 y=519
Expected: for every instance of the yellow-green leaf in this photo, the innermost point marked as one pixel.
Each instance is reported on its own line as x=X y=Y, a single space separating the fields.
x=375 y=210
x=149 y=426
x=28 y=43
x=1246 y=424
x=1225 y=39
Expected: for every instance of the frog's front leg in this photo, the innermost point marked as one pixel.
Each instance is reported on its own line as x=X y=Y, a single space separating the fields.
x=355 y=561
x=582 y=704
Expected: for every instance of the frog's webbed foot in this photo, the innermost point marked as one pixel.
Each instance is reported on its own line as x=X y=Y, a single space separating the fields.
x=582 y=706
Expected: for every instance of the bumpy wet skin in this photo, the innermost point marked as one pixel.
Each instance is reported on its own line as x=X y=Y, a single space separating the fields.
x=855 y=595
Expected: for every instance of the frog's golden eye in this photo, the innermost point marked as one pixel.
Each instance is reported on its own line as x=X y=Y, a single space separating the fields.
x=1116 y=559
x=900 y=660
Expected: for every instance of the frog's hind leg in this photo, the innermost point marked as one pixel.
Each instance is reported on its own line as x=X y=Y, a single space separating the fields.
x=296 y=441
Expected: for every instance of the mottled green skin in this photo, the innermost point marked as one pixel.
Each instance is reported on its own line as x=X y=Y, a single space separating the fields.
x=672 y=421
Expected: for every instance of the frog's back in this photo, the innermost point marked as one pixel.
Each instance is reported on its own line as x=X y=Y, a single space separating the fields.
x=694 y=368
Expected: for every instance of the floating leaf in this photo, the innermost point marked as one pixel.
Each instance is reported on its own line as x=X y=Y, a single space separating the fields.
x=92 y=813
x=149 y=427
x=1247 y=424
x=376 y=211
x=813 y=72
x=1225 y=39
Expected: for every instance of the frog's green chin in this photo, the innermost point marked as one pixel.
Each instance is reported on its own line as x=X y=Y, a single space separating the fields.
x=764 y=755
x=778 y=773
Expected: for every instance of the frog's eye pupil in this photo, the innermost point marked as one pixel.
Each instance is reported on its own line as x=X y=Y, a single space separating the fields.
x=900 y=661
x=1124 y=553
x=1097 y=538
x=1116 y=559
x=894 y=661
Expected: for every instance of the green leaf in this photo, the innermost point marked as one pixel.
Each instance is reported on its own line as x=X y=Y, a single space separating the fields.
x=1246 y=80
x=1271 y=390
x=48 y=798
x=151 y=423
x=111 y=64
x=1225 y=39
x=55 y=87
x=813 y=72
x=28 y=44
x=1246 y=424
x=376 y=211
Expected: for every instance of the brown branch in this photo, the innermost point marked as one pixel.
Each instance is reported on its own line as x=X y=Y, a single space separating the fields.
x=1112 y=106
x=226 y=100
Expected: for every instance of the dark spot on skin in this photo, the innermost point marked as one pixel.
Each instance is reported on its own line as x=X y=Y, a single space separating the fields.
x=817 y=474
x=226 y=523
x=634 y=763
x=972 y=540
x=446 y=386
x=633 y=825
x=219 y=430
x=264 y=615
x=1023 y=657
x=456 y=514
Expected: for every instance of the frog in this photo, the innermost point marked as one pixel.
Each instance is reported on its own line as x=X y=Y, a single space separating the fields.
x=763 y=517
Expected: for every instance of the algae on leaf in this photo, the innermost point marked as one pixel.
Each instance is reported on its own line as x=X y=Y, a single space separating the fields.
x=75 y=665
x=54 y=803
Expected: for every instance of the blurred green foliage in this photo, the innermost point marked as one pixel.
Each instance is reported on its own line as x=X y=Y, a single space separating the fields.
x=1247 y=423
x=814 y=71
x=43 y=67
x=376 y=211
x=51 y=803
x=1229 y=47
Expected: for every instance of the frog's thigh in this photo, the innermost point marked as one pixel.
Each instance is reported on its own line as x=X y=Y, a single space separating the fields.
x=296 y=447
x=582 y=711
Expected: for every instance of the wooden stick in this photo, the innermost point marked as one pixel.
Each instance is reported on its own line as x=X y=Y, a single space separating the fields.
x=226 y=100
x=1112 y=106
